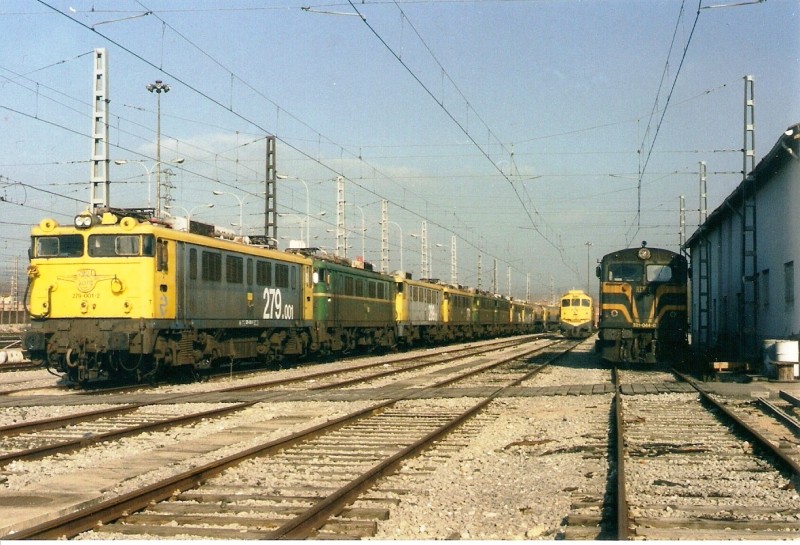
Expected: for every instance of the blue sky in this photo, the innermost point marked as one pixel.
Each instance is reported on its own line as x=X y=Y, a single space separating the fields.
x=520 y=127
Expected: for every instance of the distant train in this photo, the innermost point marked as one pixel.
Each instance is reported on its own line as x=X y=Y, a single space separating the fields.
x=577 y=315
x=643 y=306
x=118 y=295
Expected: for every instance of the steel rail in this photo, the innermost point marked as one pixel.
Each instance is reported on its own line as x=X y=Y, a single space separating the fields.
x=21 y=366
x=454 y=355
x=304 y=525
x=61 y=421
x=450 y=358
x=105 y=511
x=478 y=370
x=793 y=400
x=788 y=420
x=83 y=441
x=762 y=440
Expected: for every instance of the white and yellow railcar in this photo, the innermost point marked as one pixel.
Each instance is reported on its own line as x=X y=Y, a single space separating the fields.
x=576 y=317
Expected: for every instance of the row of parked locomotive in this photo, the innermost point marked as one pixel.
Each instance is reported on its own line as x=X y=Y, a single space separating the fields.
x=116 y=296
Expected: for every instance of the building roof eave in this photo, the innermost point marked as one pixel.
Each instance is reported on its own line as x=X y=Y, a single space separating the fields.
x=787 y=147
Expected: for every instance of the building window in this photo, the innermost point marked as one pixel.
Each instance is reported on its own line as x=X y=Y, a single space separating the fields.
x=788 y=283
x=765 y=287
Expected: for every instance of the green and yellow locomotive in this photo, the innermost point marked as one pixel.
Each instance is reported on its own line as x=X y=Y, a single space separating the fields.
x=643 y=309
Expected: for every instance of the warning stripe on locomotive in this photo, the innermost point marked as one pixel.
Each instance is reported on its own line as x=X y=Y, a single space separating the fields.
x=629 y=308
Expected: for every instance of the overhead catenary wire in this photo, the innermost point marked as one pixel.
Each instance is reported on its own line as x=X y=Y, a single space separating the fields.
x=638 y=217
x=232 y=109
x=558 y=247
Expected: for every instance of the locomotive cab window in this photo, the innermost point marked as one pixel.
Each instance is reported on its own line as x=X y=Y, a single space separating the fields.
x=565 y=302
x=120 y=245
x=60 y=246
x=659 y=273
x=625 y=272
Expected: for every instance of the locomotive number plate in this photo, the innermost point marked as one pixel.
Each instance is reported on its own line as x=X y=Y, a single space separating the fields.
x=274 y=309
x=644 y=325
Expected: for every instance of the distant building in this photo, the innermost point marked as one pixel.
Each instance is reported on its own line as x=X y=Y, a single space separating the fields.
x=744 y=290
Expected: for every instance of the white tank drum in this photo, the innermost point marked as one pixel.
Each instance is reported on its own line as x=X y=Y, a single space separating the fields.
x=781 y=359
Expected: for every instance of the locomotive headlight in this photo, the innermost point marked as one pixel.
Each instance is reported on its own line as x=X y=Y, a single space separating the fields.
x=83 y=221
x=644 y=253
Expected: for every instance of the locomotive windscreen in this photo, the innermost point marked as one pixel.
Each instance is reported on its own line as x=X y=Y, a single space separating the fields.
x=625 y=272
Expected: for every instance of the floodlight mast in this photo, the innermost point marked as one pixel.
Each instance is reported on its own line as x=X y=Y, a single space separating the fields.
x=158 y=87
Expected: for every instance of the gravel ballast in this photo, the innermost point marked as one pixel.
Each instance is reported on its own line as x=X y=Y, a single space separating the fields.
x=509 y=481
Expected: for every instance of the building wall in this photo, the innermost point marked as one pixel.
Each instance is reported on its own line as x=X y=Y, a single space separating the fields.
x=725 y=286
x=778 y=256
x=778 y=207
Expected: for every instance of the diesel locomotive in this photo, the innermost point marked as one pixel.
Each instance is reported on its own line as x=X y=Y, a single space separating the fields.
x=576 y=318
x=121 y=296
x=643 y=306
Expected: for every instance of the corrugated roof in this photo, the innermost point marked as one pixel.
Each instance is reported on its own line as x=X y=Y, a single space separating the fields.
x=787 y=147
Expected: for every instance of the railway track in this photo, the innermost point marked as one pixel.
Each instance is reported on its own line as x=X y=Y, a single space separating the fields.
x=301 y=378
x=689 y=468
x=34 y=440
x=30 y=440
x=292 y=456
x=406 y=425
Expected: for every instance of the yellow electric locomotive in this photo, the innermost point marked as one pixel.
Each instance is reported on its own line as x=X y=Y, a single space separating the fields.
x=115 y=296
x=576 y=318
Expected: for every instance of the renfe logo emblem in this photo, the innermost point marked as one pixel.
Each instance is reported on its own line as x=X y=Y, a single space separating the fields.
x=85 y=279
